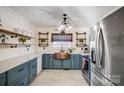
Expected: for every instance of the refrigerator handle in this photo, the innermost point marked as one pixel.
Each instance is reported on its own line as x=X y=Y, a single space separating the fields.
x=100 y=55
x=96 y=49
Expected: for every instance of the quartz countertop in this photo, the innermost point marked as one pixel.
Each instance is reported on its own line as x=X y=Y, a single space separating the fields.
x=8 y=64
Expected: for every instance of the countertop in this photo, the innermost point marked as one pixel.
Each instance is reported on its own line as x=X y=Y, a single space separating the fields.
x=8 y=64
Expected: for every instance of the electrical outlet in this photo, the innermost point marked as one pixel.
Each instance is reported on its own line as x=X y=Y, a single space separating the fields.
x=28 y=49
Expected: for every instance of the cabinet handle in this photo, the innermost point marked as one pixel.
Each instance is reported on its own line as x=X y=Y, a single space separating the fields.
x=21 y=70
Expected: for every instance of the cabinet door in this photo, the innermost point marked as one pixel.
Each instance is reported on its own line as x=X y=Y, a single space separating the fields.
x=33 y=69
x=76 y=61
x=23 y=82
x=67 y=64
x=47 y=60
x=50 y=60
x=2 y=79
x=57 y=63
x=17 y=73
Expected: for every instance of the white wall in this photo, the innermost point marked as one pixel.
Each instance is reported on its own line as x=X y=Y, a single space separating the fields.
x=51 y=49
x=11 y=19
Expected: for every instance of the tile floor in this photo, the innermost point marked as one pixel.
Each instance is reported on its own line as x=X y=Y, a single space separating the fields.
x=59 y=78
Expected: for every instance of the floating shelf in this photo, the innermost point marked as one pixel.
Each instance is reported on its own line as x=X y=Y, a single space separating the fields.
x=14 y=45
x=81 y=36
x=14 y=34
x=43 y=39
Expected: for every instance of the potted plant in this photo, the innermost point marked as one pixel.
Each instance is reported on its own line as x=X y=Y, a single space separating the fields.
x=43 y=40
x=71 y=49
x=23 y=40
x=81 y=40
x=3 y=38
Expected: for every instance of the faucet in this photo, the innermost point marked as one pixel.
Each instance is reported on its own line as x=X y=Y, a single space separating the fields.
x=62 y=50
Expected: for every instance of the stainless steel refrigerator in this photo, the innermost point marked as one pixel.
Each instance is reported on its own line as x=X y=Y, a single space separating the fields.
x=107 y=50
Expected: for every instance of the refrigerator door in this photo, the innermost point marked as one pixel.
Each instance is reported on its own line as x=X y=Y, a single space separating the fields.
x=98 y=50
x=113 y=32
x=109 y=83
x=97 y=79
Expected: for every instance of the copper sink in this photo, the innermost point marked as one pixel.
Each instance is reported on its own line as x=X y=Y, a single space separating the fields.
x=62 y=56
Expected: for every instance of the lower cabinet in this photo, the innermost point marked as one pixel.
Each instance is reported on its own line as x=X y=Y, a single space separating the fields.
x=2 y=79
x=47 y=60
x=23 y=82
x=16 y=74
x=50 y=63
x=67 y=64
x=56 y=63
x=76 y=61
x=32 y=69
x=22 y=75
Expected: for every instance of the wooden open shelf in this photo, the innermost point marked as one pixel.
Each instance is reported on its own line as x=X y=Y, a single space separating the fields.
x=81 y=36
x=43 y=39
x=14 y=34
x=14 y=45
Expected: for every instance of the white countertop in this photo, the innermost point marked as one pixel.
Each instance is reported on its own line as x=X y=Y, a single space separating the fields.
x=8 y=64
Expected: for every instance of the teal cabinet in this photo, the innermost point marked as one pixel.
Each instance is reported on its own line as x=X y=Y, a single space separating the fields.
x=67 y=64
x=23 y=82
x=23 y=74
x=50 y=63
x=57 y=63
x=76 y=61
x=47 y=60
x=32 y=69
x=2 y=79
x=16 y=74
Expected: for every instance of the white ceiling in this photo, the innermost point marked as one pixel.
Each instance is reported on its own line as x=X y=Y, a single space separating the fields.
x=50 y=16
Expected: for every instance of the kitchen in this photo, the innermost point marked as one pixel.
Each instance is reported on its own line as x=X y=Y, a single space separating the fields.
x=46 y=45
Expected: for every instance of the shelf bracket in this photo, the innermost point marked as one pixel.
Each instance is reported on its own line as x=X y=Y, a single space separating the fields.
x=14 y=36
x=28 y=45
x=13 y=46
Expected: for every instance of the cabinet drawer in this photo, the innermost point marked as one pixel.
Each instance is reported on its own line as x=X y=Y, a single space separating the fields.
x=16 y=73
x=23 y=82
x=2 y=79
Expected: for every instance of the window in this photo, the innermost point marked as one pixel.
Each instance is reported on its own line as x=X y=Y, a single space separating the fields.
x=62 y=40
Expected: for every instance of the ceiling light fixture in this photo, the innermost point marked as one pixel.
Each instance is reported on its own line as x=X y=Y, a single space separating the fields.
x=65 y=24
